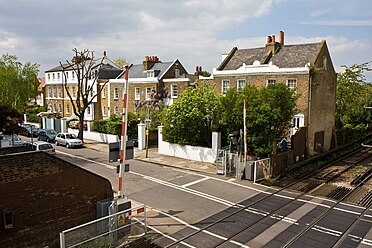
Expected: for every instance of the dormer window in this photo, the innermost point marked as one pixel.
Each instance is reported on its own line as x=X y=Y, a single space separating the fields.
x=150 y=74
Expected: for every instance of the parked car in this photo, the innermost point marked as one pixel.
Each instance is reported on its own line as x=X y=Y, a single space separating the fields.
x=68 y=140
x=42 y=146
x=11 y=140
x=28 y=129
x=49 y=135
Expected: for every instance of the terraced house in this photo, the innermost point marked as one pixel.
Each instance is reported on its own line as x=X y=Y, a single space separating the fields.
x=152 y=77
x=57 y=100
x=165 y=79
x=305 y=68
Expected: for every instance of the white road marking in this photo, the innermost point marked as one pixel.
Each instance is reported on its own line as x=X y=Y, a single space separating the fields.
x=191 y=191
x=194 y=182
x=197 y=228
x=228 y=203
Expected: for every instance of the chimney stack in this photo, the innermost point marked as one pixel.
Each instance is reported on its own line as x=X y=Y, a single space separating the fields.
x=268 y=39
x=281 y=38
x=149 y=62
x=273 y=38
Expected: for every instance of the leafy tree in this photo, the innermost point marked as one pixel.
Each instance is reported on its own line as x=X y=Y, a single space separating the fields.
x=18 y=82
x=269 y=114
x=86 y=69
x=9 y=119
x=120 y=62
x=352 y=94
x=193 y=117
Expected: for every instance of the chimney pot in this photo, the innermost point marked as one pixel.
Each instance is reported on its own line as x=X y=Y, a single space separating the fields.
x=200 y=69
x=104 y=53
x=268 y=39
x=281 y=38
x=197 y=68
x=273 y=38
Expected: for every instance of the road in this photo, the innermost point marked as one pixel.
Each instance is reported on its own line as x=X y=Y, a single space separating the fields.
x=182 y=202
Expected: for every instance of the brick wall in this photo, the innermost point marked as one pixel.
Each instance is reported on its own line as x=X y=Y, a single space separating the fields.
x=47 y=195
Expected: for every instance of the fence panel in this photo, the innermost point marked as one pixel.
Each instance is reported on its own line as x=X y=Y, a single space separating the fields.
x=261 y=169
x=109 y=231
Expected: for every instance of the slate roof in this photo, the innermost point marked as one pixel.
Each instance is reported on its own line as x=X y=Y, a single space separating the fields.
x=136 y=71
x=289 y=56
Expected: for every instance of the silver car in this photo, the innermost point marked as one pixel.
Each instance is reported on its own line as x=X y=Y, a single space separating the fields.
x=42 y=146
x=68 y=140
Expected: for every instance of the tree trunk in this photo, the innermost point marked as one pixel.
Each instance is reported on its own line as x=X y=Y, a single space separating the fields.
x=81 y=127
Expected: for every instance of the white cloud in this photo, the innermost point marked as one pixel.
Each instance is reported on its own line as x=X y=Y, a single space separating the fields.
x=344 y=23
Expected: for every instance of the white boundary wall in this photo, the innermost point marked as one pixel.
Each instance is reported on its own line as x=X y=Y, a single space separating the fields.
x=201 y=154
x=101 y=137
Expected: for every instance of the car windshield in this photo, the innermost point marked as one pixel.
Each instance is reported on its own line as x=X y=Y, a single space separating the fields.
x=70 y=136
x=51 y=132
x=45 y=146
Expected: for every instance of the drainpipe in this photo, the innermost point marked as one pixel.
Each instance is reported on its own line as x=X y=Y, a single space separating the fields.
x=308 y=111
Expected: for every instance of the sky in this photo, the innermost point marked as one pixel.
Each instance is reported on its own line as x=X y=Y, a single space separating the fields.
x=197 y=32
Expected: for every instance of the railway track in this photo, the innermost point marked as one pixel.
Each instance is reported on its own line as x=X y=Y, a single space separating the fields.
x=244 y=220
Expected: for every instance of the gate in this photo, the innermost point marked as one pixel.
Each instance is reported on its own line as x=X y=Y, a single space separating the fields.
x=114 y=231
x=229 y=164
x=57 y=125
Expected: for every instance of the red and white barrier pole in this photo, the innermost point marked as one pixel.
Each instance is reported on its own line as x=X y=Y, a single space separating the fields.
x=123 y=134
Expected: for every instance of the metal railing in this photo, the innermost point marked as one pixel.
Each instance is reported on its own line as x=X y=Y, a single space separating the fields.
x=109 y=231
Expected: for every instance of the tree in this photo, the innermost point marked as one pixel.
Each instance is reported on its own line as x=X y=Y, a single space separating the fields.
x=152 y=108
x=18 y=82
x=120 y=62
x=352 y=94
x=269 y=114
x=10 y=119
x=86 y=69
x=193 y=117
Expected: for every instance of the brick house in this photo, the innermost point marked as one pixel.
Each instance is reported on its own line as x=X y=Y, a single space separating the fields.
x=167 y=79
x=57 y=99
x=306 y=68
x=43 y=195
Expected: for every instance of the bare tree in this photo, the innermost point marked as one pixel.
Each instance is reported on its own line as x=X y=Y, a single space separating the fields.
x=86 y=69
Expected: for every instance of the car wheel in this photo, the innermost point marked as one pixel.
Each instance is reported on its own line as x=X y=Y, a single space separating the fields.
x=48 y=140
x=38 y=138
x=57 y=143
x=67 y=145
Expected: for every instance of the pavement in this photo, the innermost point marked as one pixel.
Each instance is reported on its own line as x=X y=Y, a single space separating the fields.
x=154 y=157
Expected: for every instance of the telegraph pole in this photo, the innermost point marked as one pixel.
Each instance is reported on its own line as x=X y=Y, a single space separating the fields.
x=123 y=134
x=245 y=131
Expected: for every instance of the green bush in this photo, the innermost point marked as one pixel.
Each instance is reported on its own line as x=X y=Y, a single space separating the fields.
x=113 y=125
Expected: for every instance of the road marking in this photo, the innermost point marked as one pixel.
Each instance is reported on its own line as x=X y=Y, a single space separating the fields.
x=89 y=160
x=194 y=182
x=222 y=201
x=191 y=191
x=197 y=228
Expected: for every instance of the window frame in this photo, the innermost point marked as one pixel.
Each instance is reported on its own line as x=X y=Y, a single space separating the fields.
x=148 y=93
x=238 y=87
x=288 y=80
x=223 y=88
x=116 y=93
x=270 y=81
x=104 y=92
x=137 y=93
x=67 y=108
x=174 y=89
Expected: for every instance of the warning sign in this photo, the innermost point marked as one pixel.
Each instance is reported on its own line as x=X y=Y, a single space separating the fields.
x=121 y=219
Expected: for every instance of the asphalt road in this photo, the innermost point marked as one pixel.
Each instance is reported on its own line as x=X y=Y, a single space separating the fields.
x=182 y=202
